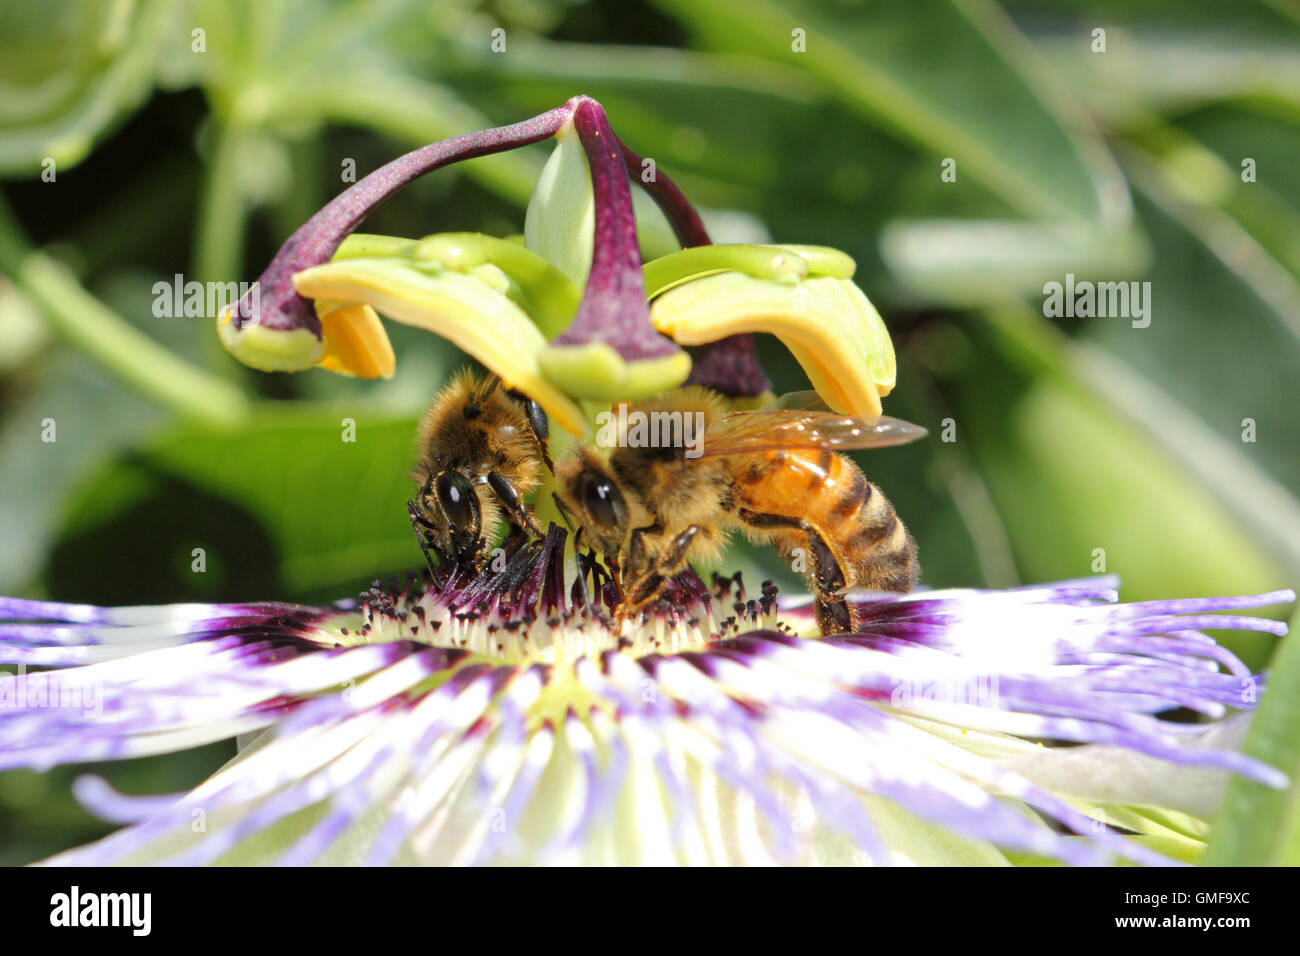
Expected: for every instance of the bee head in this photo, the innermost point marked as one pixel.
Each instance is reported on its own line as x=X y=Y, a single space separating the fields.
x=596 y=501
x=449 y=510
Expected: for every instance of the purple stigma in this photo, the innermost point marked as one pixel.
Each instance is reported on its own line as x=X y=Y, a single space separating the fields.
x=614 y=308
x=729 y=366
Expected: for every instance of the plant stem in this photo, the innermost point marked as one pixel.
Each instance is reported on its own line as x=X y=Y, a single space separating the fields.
x=219 y=234
x=89 y=325
x=220 y=231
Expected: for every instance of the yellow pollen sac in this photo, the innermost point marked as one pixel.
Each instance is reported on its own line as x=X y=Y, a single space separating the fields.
x=355 y=341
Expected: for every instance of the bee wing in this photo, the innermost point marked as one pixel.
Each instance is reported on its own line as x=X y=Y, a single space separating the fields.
x=802 y=401
x=771 y=429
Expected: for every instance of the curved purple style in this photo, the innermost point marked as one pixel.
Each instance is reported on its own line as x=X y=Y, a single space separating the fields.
x=730 y=365
x=316 y=240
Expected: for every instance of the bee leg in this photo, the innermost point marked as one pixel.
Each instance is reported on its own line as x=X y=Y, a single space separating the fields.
x=515 y=540
x=834 y=614
x=647 y=588
x=643 y=583
x=469 y=554
x=513 y=502
x=615 y=575
x=673 y=560
x=643 y=592
x=681 y=544
x=417 y=526
x=538 y=423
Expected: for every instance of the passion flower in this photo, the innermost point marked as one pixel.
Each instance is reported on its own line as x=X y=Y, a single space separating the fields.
x=504 y=717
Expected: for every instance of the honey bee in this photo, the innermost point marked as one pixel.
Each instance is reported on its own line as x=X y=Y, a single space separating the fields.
x=772 y=474
x=482 y=451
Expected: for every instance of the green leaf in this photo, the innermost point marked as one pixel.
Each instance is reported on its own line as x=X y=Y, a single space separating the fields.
x=1241 y=161
x=956 y=78
x=1221 y=305
x=1259 y=826
x=1150 y=69
x=1071 y=474
x=966 y=263
x=284 y=506
x=91 y=417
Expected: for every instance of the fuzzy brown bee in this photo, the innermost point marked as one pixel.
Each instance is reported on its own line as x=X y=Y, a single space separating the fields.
x=482 y=451
x=773 y=474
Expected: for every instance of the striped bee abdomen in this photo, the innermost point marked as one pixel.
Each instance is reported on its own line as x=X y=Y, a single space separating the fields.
x=875 y=548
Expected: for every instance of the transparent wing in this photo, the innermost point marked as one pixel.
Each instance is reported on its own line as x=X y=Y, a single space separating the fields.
x=773 y=428
x=808 y=401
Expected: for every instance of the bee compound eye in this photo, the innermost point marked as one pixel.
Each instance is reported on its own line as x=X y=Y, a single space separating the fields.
x=458 y=501
x=602 y=500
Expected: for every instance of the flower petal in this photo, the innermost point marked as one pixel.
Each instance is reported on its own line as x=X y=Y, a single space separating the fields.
x=268 y=328
x=611 y=351
x=1116 y=775
x=596 y=370
x=761 y=262
x=545 y=293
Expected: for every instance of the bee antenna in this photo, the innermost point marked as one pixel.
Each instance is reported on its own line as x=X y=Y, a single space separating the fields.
x=568 y=519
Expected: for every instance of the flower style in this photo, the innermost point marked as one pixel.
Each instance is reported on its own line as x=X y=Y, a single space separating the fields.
x=501 y=718
x=572 y=314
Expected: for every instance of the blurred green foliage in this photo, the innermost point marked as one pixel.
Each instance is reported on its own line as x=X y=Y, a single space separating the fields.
x=819 y=122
